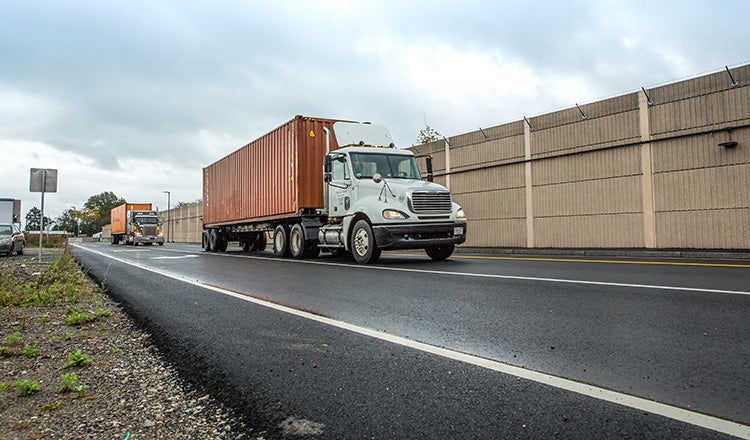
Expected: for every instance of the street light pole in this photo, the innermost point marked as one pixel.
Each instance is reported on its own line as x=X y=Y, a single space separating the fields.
x=169 y=216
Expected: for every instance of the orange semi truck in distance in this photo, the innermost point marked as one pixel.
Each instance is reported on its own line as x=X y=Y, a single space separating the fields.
x=135 y=223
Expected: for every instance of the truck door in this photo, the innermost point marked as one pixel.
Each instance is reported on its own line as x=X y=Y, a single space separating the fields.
x=339 y=188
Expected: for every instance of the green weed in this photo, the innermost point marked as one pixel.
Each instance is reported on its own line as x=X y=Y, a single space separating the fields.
x=77 y=318
x=14 y=339
x=26 y=387
x=5 y=352
x=31 y=352
x=80 y=391
x=50 y=407
x=77 y=359
x=69 y=382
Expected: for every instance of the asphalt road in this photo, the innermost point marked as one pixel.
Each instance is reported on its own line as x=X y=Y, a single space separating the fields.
x=412 y=348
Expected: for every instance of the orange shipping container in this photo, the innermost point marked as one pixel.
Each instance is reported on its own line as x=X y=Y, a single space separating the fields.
x=119 y=216
x=276 y=176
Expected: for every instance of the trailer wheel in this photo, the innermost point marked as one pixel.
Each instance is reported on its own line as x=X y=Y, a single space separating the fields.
x=223 y=243
x=364 y=248
x=213 y=239
x=440 y=252
x=281 y=241
x=205 y=242
x=259 y=244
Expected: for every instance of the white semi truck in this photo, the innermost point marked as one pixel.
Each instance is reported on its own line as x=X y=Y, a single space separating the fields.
x=321 y=184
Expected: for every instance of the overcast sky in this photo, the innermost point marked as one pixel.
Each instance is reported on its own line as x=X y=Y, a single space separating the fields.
x=136 y=97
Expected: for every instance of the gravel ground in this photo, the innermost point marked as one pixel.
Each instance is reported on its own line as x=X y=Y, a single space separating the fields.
x=127 y=391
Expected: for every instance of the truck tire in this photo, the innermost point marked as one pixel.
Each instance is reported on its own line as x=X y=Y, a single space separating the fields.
x=311 y=250
x=223 y=243
x=364 y=249
x=213 y=239
x=281 y=241
x=260 y=242
x=205 y=241
x=297 y=242
x=440 y=252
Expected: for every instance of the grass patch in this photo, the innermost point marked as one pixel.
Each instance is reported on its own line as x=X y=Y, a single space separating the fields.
x=54 y=406
x=14 y=339
x=62 y=279
x=76 y=317
x=31 y=352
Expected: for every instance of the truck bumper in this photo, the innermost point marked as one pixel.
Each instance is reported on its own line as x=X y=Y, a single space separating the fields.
x=148 y=240
x=419 y=235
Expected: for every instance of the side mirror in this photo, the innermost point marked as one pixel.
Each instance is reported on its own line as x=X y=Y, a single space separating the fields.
x=327 y=167
x=377 y=178
x=429 y=169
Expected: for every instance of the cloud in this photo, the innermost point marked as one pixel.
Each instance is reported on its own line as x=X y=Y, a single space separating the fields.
x=151 y=92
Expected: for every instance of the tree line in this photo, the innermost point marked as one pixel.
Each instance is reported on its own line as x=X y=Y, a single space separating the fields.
x=87 y=220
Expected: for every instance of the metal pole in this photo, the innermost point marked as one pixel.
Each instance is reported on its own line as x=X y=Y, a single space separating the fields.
x=169 y=216
x=41 y=216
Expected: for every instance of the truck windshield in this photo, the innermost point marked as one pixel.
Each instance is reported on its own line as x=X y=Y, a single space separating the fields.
x=147 y=220
x=366 y=165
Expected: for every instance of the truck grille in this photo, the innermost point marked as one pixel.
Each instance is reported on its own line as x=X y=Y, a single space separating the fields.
x=431 y=202
x=149 y=230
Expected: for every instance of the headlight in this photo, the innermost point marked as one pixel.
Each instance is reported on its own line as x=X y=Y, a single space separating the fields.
x=5 y=240
x=460 y=213
x=392 y=214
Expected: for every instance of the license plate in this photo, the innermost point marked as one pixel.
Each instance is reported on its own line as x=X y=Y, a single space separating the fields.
x=458 y=230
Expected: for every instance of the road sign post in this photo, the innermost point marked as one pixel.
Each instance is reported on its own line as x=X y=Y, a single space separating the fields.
x=42 y=180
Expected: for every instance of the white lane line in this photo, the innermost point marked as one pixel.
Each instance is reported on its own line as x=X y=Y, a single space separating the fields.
x=477 y=275
x=673 y=412
x=179 y=257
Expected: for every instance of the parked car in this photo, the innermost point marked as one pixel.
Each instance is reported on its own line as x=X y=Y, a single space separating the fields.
x=11 y=239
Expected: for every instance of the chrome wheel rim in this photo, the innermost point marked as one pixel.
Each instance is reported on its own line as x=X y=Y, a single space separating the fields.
x=361 y=242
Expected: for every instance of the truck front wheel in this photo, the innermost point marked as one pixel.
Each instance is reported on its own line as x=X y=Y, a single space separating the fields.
x=364 y=248
x=281 y=241
x=440 y=252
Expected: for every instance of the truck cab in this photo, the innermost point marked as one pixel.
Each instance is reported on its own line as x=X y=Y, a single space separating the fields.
x=377 y=200
x=144 y=228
